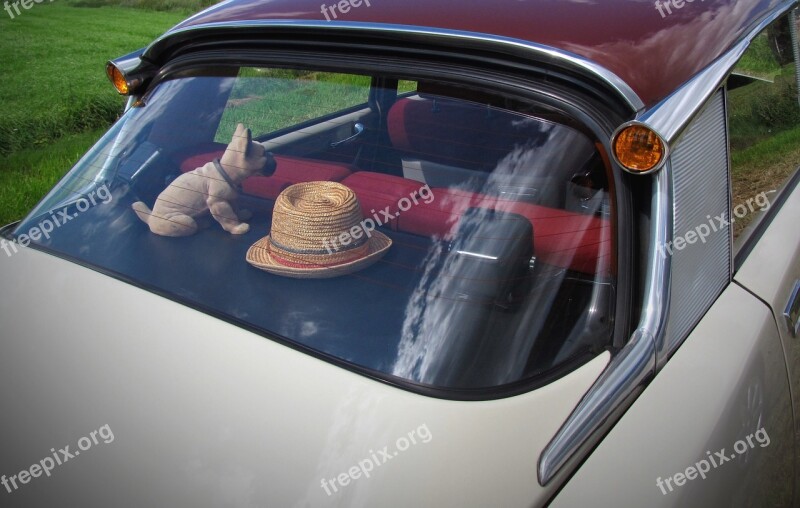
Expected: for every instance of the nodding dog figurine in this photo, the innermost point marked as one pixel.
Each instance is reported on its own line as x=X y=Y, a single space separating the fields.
x=212 y=188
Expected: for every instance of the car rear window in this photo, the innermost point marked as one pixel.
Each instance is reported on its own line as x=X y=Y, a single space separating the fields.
x=434 y=235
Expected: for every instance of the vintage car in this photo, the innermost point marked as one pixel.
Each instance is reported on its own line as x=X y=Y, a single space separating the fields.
x=390 y=254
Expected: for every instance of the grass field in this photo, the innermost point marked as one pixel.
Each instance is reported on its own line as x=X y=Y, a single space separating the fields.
x=55 y=99
x=184 y=7
x=26 y=176
x=764 y=120
x=54 y=79
x=290 y=97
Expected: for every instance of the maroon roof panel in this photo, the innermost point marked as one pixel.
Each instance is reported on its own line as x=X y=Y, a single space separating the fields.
x=652 y=48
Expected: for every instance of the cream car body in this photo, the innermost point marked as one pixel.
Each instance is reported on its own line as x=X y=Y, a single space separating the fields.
x=216 y=398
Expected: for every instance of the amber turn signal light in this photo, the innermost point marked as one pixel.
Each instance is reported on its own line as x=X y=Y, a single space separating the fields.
x=639 y=149
x=117 y=79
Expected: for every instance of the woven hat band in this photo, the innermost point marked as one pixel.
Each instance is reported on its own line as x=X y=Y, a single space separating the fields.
x=315 y=260
x=330 y=247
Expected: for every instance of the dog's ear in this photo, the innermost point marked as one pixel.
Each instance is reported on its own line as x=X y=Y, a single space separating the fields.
x=249 y=146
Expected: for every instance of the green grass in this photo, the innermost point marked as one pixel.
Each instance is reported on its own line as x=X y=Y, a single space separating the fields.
x=765 y=107
x=270 y=99
x=758 y=60
x=26 y=176
x=54 y=80
x=767 y=152
x=182 y=6
x=764 y=120
x=291 y=97
x=763 y=167
x=760 y=109
x=55 y=99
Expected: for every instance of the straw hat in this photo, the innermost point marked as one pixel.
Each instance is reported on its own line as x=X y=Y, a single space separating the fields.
x=307 y=223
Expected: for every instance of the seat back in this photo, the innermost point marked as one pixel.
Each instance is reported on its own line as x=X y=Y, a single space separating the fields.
x=449 y=132
x=288 y=171
x=570 y=240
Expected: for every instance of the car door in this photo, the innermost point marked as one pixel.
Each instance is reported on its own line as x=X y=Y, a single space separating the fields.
x=723 y=389
x=769 y=268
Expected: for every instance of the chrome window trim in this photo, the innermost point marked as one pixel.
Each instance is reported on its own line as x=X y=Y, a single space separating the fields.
x=539 y=52
x=633 y=364
x=670 y=116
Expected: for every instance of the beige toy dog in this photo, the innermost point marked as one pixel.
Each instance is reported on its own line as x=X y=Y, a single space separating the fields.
x=211 y=188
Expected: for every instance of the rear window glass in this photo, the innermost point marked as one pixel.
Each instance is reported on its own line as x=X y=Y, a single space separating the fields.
x=414 y=230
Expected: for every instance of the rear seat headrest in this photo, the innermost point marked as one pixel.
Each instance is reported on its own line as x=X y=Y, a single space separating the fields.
x=455 y=133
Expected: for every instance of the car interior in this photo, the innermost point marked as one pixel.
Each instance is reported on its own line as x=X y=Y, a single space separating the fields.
x=504 y=275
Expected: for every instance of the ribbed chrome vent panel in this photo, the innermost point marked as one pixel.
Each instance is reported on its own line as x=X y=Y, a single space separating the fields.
x=700 y=271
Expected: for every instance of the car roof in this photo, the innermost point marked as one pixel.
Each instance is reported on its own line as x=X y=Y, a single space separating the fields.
x=653 y=51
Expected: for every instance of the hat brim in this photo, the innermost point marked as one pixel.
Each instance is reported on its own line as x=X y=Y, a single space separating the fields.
x=260 y=256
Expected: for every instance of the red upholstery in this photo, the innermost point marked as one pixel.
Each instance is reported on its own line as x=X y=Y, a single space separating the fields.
x=376 y=191
x=570 y=240
x=199 y=156
x=561 y=238
x=264 y=186
x=289 y=170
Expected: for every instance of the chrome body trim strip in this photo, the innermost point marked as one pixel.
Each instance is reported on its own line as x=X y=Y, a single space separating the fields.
x=538 y=52
x=673 y=114
x=633 y=364
x=614 y=389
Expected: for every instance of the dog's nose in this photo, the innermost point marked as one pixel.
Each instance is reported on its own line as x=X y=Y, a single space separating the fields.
x=269 y=164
